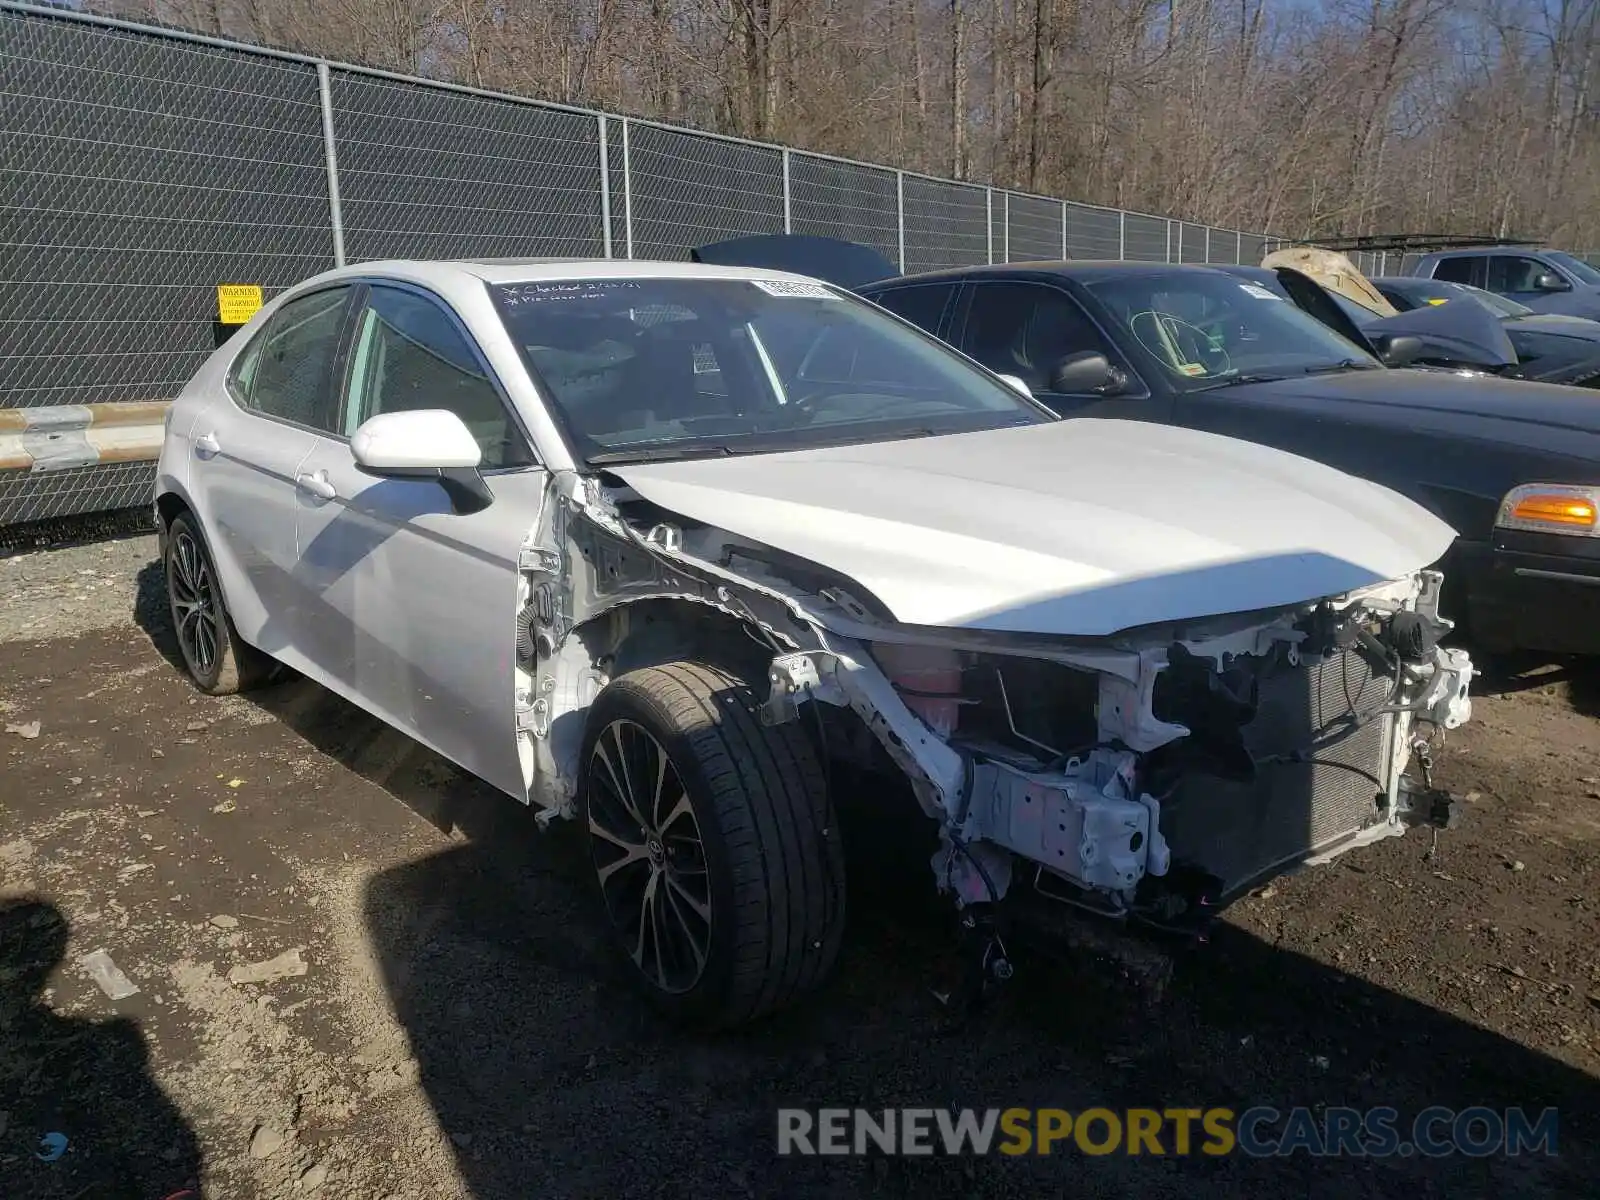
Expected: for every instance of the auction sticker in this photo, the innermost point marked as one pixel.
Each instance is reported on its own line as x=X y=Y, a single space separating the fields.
x=793 y=287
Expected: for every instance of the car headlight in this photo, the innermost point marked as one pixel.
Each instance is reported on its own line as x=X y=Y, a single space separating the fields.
x=1551 y=508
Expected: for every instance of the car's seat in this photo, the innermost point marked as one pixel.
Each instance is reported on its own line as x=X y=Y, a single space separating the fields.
x=661 y=376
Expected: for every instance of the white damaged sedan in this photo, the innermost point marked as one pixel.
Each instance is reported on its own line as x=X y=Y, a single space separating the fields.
x=667 y=548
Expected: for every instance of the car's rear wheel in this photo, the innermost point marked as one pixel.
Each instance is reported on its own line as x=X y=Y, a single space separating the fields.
x=217 y=660
x=713 y=843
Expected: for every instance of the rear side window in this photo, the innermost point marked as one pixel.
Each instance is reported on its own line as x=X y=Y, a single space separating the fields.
x=922 y=305
x=1454 y=270
x=285 y=372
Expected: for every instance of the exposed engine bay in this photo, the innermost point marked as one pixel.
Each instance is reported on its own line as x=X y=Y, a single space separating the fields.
x=1153 y=774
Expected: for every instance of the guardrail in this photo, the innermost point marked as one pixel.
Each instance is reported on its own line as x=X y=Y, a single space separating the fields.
x=66 y=436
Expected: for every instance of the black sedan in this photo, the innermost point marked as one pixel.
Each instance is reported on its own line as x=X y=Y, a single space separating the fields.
x=1550 y=347
x=1514 y=467
x=1450 y=325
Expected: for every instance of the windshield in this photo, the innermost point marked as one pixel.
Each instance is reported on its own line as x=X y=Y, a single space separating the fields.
x=1580 y=269
x=1500 y=306
x=1420 y=293
x=669 y=368
x=1200 y=327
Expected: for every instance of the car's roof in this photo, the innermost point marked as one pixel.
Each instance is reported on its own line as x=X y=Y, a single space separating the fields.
x=1083 y=270
x=535 y=270
x=1477 y=251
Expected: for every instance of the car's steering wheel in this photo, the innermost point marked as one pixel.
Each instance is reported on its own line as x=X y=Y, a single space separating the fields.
x=1180 y=346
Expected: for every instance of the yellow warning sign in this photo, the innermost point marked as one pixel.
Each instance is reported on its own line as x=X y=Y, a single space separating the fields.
x=237 y=302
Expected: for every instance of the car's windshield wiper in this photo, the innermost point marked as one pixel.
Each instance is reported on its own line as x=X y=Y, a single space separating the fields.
x=1344 y=364
x=796 y=438
x=1236 y=380
x=646 y=452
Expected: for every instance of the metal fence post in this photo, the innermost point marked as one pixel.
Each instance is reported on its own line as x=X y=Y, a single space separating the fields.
x=788 y=208
x=605 y=186
x=900 y=215
x=331 y=156
x=627 y=188
x=1063 y=231
x=988 y=220
x=1169 y=239
x=1005 y=227
x=1122 y=233
x=1238 y=247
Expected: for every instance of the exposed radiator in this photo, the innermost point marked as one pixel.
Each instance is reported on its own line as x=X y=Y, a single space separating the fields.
x=1238 y=831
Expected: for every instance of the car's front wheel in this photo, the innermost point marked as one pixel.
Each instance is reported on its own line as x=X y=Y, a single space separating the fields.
x=217 y=660
x=713 y=843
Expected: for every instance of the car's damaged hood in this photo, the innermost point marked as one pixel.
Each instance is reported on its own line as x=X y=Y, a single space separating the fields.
x=1462 y=328
x=1082 y=527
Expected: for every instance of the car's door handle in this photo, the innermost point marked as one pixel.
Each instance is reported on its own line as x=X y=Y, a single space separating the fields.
x=206 y=445
x=317 y=485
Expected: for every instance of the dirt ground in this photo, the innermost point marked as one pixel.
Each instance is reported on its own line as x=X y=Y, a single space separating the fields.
x=459 y=1031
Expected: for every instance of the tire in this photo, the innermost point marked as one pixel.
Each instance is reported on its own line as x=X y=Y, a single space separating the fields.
x=745 y=863
x=217 y=660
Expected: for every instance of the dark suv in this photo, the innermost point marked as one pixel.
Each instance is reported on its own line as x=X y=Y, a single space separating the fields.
x=1547 y=281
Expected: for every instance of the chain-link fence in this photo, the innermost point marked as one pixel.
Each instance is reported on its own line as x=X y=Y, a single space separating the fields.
x=140 y=168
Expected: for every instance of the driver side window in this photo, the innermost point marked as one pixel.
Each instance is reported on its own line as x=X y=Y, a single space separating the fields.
x=1025 y=329
x=409 y=354
x=1513 y=273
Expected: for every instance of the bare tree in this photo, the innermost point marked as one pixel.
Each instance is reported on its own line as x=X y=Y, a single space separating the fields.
x=1355 y=116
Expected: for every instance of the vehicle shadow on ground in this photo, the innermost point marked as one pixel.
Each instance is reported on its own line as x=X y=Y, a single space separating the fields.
x=86 y=1081
x=1576 y=675
x=551 y=1077
x=152 y=614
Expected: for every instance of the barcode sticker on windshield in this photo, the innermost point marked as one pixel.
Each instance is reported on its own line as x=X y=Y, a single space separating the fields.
x=793 y=287
x=1259 y=292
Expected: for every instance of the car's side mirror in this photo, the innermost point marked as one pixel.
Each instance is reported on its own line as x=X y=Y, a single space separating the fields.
x=1398 y=349
x=1549 y=281
x=1086 y=371
x=1016 y=384
x=424 y=443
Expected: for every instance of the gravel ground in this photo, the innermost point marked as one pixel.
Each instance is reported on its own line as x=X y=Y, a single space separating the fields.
x=60 y=592
x=456 y=1029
